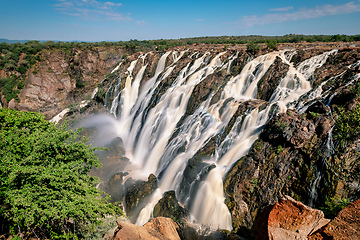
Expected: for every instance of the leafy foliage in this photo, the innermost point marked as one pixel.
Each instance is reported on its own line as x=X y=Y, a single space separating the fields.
x=10 y=87
x=271 y=44
x=347 y=125
x=334 y=206
x=252 y=47
x=44 y=185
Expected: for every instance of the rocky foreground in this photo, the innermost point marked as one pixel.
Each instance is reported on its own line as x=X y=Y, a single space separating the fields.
x=286 y=219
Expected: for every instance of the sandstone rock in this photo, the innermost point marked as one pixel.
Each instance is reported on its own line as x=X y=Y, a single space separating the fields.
x=346 y=225
x=12 y=104
x=287 y=219
x=157 y=229
x=166 y=226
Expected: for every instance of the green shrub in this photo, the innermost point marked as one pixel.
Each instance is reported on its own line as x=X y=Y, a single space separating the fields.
x=272 y=44
x=100 y=94
x=347 y=125
x=79 y=83
x=44 y=186
x=333 y=206
x=252 y=47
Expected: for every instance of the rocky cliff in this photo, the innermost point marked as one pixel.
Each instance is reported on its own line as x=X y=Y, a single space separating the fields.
x=62 y=77
x=181 y=118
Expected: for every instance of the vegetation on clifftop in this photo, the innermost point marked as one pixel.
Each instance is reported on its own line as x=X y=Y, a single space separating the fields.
x=17 y=59
x=45 y=191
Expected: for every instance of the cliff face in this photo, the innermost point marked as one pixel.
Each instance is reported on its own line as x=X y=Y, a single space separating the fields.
x=308 y=151
x=62 y=77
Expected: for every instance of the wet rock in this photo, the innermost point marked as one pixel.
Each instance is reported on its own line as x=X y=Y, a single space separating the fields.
x=302 y=54
x=317 y=107
x=156 y=229
x=168 y=206
x=202 y=91
x=195 y=172
x=137 y=192
x=242 y=173
x=271 y=79
x=287 y=219
x=189 y=231
x=112 y=159
x=114 y=187
x=346 y=225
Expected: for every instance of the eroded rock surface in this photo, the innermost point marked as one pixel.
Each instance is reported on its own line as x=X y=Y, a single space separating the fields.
x=346 y=225
x=287 y=219
x=157 y=229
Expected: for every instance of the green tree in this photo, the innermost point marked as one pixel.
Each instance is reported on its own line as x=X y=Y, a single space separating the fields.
x=272 y=44
x=252 y=47
x=44 y=186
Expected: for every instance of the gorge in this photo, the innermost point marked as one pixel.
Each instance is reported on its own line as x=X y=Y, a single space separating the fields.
x=226 y=132
x=188 y=118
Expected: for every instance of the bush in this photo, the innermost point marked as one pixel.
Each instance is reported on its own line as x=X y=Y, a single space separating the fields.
x=347 y=125
x=44 y=186
x=333 y=206
x=271 y=44
x=252 y=47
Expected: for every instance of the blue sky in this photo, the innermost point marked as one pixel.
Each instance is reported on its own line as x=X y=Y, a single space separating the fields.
x=113 y=20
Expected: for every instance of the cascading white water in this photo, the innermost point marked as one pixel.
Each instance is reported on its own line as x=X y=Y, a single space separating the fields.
x=147 y=133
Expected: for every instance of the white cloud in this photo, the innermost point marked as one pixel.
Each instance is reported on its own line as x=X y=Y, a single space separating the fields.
x=91 y=10
x=284 y=9
x=303 y=13
x=199 y=19
x=141 y=23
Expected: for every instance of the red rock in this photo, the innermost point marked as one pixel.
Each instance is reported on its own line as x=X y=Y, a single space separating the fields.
x=288 y=219
x=157 y=229
x=346 y=225
x=166 y=226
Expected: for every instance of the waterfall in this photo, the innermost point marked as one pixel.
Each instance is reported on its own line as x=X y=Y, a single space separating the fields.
x=159 y=139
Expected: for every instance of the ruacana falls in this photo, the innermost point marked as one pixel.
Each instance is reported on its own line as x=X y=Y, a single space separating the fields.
x=202 y=141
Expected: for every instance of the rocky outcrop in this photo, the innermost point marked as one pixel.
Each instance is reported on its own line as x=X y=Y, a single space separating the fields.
x=271 y=79
x=346 y=225
x=288 y=219
x=168 y=206
x=284 y=160
x=167 y=227
x=298 y=131
x=157 y=229
x=63 y=77
x=137 y=193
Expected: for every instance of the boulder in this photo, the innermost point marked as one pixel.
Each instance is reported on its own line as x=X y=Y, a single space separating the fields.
x=345 y=225
x=287 y=219
x=166 y=226
x=157 y=229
